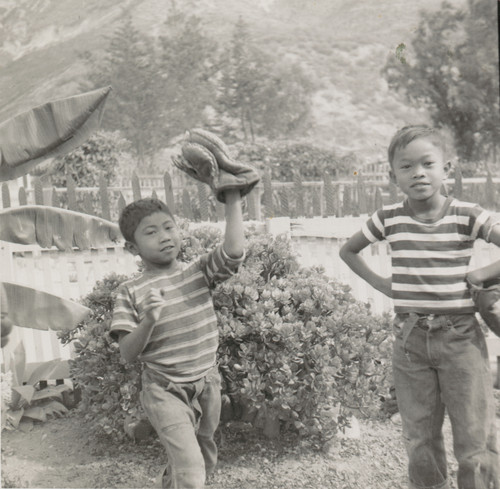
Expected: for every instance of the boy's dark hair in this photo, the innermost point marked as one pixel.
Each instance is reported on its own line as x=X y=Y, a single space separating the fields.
x=134 y=213
x=407 y=134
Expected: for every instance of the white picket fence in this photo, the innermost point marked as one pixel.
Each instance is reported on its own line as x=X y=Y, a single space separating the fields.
x=72 y=275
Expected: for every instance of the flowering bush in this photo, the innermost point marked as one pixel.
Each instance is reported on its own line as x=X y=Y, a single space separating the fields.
x=297 y=351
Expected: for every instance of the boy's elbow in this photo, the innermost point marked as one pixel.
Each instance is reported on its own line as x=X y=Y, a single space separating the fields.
x=344 y=252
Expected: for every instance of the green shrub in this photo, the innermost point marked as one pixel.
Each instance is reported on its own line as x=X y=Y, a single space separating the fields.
x=295 y=349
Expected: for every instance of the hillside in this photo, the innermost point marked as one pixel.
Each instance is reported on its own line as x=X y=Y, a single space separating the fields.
x=342 y=44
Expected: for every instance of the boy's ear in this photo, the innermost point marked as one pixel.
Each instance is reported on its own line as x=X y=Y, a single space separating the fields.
x=131 y=247
x=447 y=167
x=392 y=177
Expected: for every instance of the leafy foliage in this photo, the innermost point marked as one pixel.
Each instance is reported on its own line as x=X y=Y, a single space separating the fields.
x=452 y=67
x=27 y=401
x=266 y=96
x=284 y=158
x=297 y=352
x=98 y=156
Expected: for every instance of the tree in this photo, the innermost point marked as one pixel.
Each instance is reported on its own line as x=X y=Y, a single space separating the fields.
x=265 y=95
x=99 y=155
x=188 y=66
x=452 y=68
x=129 y=66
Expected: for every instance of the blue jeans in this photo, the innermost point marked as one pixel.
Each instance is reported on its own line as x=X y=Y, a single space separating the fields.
x=185 y=416
x=441 y=362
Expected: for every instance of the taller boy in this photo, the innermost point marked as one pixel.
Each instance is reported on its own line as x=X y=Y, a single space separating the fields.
x=440 y=360
x=165 y=316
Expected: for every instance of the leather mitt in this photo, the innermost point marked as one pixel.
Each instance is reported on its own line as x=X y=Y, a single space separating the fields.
x=487 y=302
x=206 y=158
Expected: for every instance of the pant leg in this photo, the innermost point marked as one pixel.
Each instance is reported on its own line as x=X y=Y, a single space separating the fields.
x=210 y=405
x=174 y=421
x=422 y=411
x=467 y=389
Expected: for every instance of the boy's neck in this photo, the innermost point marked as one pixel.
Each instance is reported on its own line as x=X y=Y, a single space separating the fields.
x=429 y=208
x=168 y=269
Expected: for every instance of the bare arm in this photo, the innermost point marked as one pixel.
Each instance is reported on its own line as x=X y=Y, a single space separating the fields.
x=491 y=271
x=234 y=239
x=132 y=344
x=350 y=254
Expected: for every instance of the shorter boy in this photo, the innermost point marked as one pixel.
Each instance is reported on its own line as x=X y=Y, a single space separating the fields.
x=165 y=317
x=440 y=360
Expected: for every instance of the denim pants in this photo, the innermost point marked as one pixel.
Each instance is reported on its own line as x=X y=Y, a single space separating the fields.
x=185 y=416
x=441 y=362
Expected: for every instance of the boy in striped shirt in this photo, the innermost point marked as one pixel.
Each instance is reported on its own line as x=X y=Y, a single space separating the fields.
x=440 y=360
x=165 y=318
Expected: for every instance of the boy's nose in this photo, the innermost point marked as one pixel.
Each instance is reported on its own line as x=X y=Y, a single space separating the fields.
x=418 y=172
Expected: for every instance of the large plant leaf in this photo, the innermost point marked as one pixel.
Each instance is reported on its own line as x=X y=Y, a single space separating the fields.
x=51 y=391
x=49 y=130
x=25 y=391
x=52 y=226
x=43 y=371
x=17 y=364
x=40 y=413
x=31 y=308
x=14 y=417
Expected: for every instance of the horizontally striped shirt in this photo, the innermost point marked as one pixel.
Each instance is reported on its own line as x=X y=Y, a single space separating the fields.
x=185 y=338
x=430 y=259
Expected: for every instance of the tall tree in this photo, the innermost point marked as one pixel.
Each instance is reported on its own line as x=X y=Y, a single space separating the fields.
x=452 y=68
x=129 y=66
x=187 y=66
x=266 y=95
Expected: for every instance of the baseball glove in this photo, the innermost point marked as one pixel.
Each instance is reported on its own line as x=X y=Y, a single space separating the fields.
x=487 y=302
x=206 y=158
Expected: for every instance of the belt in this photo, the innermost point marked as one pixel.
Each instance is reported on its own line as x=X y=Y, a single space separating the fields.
x=431 y=322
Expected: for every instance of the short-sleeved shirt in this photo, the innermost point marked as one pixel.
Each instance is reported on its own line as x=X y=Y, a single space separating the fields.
x=430 y=258
x=184 y=341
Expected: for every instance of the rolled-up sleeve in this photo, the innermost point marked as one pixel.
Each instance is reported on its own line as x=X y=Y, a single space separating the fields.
x=125 y=316
x=218 y=266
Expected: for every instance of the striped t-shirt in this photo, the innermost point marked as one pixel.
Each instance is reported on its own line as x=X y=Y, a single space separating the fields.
x=430 y=259
x=184 y=340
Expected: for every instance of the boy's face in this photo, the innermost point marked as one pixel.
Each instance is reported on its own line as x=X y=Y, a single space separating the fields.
x=156 y=241
x=419 y=169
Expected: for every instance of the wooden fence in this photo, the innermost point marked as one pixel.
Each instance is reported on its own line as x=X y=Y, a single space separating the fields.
x=194 y=201
x=73 y=275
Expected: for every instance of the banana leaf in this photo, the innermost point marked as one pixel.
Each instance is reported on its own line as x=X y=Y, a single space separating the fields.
x=49 y=130
x=52 y=226
x=31 y=308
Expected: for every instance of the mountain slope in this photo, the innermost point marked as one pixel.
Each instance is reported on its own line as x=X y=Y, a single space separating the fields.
x=342 y=45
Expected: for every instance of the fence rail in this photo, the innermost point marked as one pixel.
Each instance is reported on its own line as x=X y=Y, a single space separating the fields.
x=194 y=201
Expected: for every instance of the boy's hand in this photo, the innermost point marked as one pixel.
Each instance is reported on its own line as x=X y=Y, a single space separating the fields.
x=153 y=303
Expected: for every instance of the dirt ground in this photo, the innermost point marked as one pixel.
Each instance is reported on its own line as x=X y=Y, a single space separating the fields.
x=58 y=454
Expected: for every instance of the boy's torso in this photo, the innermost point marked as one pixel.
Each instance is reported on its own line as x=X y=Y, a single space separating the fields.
x=430 y=259
x=184 y=340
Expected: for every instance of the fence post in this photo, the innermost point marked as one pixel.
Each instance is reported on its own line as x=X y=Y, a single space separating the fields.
x=329 y=194
x=268 y=195
x=103 y=194
x=121 y=203
x=23 y=198
x=5 y=195
x=55 y=198
x=346 y=202
x=38 y=191
x=379 y=200
x=136 y=187
x=362 y=206
x=186 y=204
x=219 y=211
x=316 y=204
x=169 y=193
x=489 y=192
x=284 y=202
x=251 y=204
x=203 y=198
x=458 y=186
x=299 y=194
x=393 y=193
x=71 y=193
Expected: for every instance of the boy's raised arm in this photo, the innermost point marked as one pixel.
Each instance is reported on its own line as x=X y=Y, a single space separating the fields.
x=234 y=239
x=350 y=254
